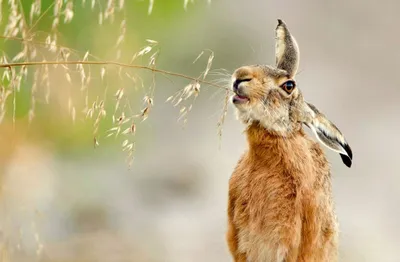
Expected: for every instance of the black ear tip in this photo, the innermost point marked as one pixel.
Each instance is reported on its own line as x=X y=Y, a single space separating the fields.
x=280 y=22
x=346 y=160
x=348 y=150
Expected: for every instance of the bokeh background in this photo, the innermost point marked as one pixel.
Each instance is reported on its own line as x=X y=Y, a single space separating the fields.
x=61 y=200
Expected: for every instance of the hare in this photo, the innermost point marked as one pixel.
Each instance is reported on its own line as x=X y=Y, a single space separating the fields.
x=280 y=207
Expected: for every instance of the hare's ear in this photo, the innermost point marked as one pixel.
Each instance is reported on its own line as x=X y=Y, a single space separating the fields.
x=286 y=50
x=327 y=133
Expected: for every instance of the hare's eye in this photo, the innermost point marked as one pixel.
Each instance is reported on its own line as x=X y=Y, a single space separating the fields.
x=288 y=86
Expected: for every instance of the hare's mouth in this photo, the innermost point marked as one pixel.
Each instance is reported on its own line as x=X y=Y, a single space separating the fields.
x=240 y=99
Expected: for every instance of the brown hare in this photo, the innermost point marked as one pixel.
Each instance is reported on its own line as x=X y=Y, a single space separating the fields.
x=280 y=205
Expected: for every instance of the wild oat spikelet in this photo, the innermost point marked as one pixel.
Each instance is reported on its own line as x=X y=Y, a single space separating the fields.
x=46 y=53
x=68 y=12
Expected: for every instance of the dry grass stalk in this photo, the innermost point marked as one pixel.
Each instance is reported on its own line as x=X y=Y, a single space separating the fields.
x=221 y=121
x=76 y=62
x=38 y=58
x=32 y=61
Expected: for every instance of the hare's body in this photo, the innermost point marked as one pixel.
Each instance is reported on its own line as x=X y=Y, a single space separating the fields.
x=280 y=204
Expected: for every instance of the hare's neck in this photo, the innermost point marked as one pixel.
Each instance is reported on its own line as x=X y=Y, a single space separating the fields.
x=264 y=143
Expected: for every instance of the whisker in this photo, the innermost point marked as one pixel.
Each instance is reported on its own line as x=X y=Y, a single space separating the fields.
x=216 y=93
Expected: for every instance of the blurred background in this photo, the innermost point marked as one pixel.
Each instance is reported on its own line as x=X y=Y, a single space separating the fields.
x=62 y=200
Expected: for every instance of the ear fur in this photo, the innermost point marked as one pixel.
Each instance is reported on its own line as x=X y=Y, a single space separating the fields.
x=286 y=50
x=327 y=133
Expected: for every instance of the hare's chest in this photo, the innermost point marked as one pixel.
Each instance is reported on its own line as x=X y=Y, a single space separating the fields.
x=258 y=191
x=260 y=195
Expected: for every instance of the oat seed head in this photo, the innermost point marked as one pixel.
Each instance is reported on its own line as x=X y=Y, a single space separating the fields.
x=42 y=59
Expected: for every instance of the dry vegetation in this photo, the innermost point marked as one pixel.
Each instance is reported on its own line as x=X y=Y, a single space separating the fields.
x=43 y=61
x=42 y=55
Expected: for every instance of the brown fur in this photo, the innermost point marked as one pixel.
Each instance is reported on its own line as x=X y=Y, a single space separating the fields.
x=280 y=206
x=280 y=201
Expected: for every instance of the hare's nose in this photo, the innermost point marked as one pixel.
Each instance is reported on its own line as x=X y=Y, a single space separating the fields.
x=237 y=82
x=235 y=86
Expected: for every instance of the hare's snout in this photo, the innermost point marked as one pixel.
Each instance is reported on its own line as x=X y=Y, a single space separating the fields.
x=238 y=87
x=247 y=85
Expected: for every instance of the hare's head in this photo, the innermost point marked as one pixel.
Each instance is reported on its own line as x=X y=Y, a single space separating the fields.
x=268 y=95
